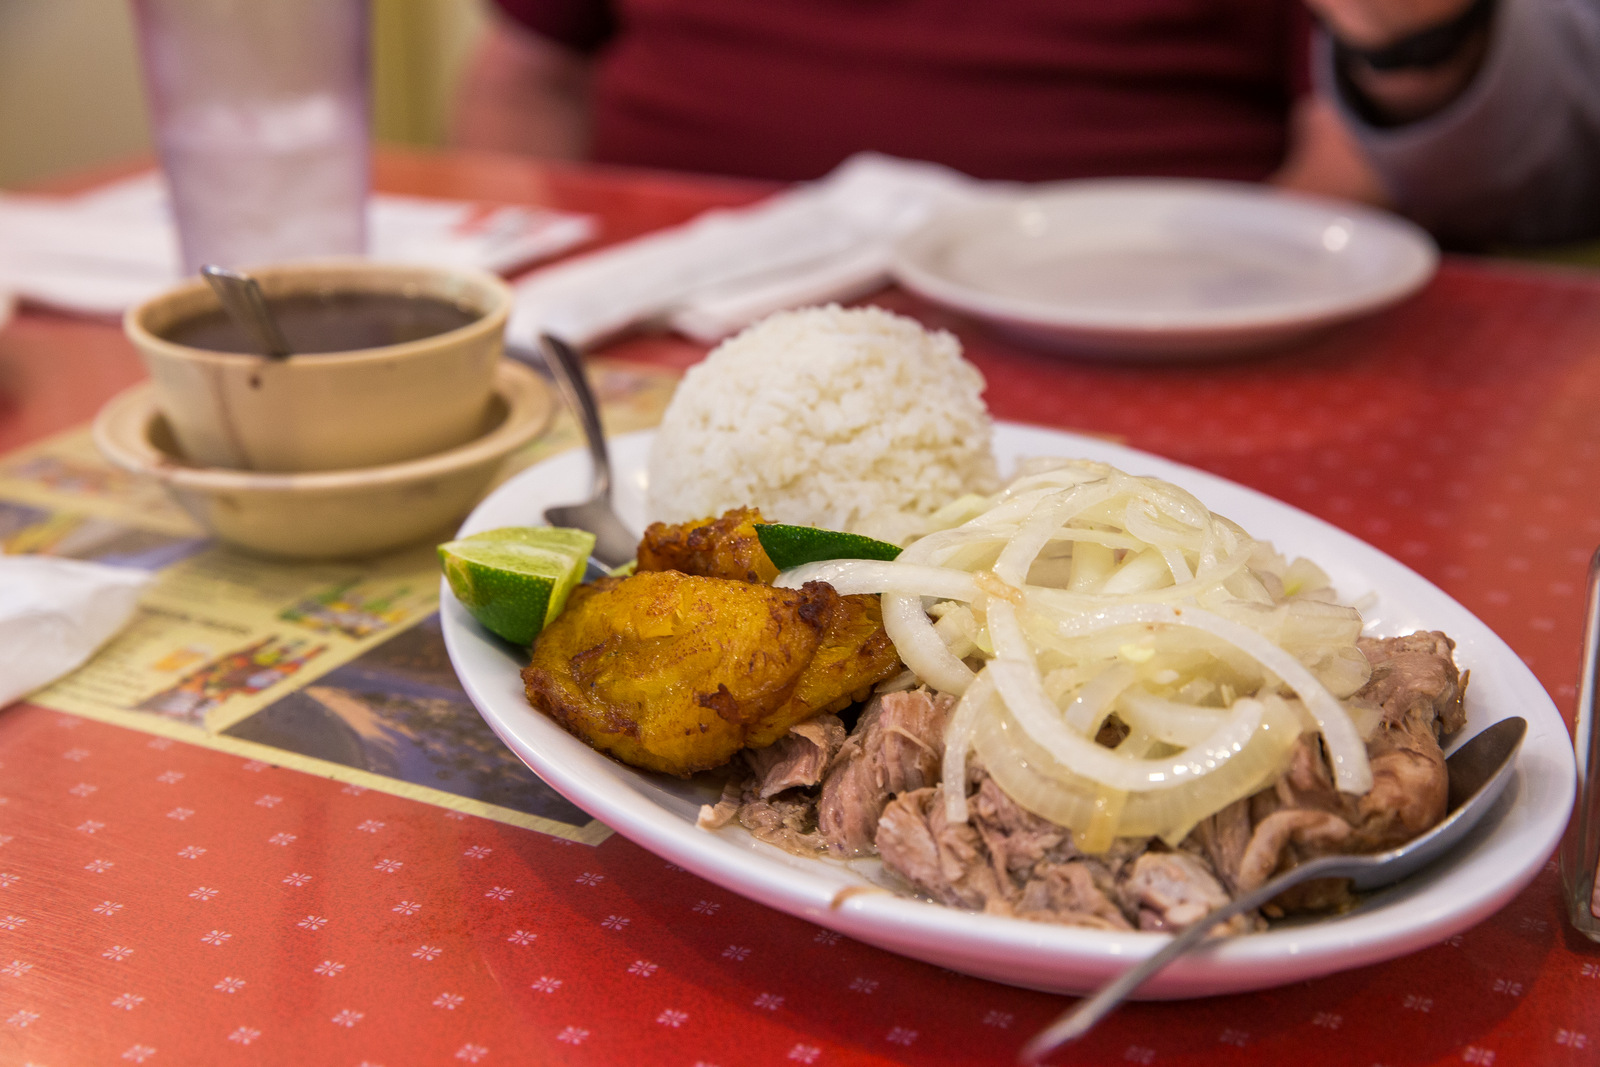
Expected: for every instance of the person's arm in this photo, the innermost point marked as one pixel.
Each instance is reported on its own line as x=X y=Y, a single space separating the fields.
x=524 y=93
x=1324 y=157
x=1497 y=142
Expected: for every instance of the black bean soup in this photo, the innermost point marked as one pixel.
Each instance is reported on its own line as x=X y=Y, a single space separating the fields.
x=330 y=322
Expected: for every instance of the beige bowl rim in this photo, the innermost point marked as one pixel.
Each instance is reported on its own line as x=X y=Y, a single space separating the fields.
x=122 y=433
x=381 y=278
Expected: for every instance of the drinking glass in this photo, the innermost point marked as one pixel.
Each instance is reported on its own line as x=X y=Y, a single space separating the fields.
x=259 y=109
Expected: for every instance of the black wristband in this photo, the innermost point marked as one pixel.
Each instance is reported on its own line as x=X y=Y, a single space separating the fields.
x=1426 y=48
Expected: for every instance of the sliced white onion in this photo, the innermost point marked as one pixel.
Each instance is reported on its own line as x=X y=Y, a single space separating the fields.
x=956 y=629
x=1074 y=601
x=1006 y=634
x=1118 y=588
x=1033 y=710
x=1108 y=538
x=1168 y=720
x=1347 y=752
x=850 y=576
x=1177 y=565
x=920 y=646
x=1139 y=574
x=958 y=731
x=1024 y=771
x=1092 y=564
x=1049 y=515
x=1093 y=703
x=1144 y=520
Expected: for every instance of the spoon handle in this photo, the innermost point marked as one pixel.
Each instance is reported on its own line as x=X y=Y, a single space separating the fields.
x=244 y=302
x=567 y=366
x=1086 y=1013
x=1478 y=772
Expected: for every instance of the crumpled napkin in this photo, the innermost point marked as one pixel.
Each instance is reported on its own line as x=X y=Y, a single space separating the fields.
x=832 y=239
x=102 y=251
x=54 y=613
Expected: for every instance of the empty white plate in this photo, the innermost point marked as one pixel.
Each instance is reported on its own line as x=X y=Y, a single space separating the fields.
x=1168 y=268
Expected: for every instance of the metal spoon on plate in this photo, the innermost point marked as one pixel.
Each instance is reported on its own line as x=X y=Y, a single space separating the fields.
x=1478 y=772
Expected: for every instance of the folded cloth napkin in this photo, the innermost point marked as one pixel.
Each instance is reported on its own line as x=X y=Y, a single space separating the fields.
x=102 y=251
x=831 y=239
x=54 y=613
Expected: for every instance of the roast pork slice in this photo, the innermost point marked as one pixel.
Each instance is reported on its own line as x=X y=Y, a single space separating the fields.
x=1170 y=890
x=1075 y=893
x=1415 y=677
x=941 y=860
x=1418 y=689
x=798 y=758
x=1017 y=840
x=896 y=748
x=1416 y=683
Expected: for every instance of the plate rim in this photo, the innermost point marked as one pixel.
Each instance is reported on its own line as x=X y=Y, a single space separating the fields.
x=1032 y=954
x=909 y=266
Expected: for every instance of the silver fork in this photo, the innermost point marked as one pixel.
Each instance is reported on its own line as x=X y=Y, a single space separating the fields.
x=614 y=543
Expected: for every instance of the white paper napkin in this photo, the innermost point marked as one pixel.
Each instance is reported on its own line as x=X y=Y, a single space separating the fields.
x=827 y=240
x=54 y=613
x=102 y=251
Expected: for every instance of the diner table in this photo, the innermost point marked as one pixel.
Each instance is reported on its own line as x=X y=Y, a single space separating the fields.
x=176 y=896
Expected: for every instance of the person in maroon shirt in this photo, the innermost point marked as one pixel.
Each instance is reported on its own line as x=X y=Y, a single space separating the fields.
x=1024 y=89
x=1019 y=89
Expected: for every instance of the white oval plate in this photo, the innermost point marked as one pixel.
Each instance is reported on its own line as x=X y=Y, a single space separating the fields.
x=1168 y=268
x=657 y=812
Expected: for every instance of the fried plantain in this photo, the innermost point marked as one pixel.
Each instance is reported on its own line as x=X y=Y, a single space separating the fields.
x=675 y=672
x=853 y=655
x=714 y=548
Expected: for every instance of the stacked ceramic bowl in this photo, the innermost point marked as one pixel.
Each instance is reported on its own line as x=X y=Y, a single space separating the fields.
x=392 y=417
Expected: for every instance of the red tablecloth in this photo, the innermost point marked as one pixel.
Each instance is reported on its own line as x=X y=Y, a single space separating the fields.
x=162 y=903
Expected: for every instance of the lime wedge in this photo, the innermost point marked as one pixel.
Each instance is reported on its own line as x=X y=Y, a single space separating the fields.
x=790 y=546
x=516 y=579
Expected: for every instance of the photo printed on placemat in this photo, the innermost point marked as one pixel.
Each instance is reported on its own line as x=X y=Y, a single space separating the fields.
x=398 y=710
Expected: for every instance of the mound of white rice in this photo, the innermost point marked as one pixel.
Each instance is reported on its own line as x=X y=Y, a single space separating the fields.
x=847 y=419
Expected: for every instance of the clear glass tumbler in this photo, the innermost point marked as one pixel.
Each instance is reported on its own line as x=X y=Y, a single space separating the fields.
x=260 y=114
x=1580 y=853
